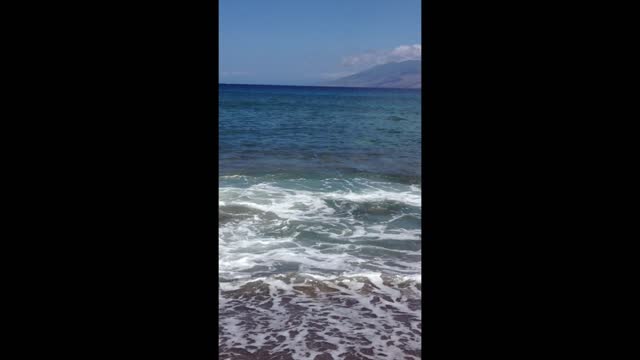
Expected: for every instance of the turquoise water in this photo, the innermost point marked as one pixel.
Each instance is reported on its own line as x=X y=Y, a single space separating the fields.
x=319 y=222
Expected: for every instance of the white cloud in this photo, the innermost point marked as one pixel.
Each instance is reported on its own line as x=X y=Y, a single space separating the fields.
x=407 y=52
x=372 y=58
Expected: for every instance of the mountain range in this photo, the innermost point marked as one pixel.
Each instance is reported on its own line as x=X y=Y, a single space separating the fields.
x=405 y=74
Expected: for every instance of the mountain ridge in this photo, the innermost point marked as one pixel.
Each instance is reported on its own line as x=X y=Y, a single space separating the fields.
x=402 y=75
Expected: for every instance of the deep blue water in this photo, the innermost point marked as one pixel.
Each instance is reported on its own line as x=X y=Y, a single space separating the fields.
x=319 y=131
x=320 y=221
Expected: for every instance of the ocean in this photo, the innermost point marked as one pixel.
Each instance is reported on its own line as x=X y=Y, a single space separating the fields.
x=319 y=221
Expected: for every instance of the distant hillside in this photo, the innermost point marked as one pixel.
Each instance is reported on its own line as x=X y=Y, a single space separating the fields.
x=406 y=74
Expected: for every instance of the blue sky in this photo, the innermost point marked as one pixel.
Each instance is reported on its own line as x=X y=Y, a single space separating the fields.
x=305 y=42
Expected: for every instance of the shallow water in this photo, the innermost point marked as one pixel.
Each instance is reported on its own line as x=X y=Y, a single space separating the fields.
x=319 y=223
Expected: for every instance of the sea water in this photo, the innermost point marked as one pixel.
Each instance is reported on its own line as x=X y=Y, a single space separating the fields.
x=319 y=223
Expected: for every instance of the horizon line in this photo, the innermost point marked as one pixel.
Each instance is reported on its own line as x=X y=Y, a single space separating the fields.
x=325 y=86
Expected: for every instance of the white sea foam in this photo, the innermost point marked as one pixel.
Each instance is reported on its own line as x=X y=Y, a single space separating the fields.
x=331 y=266
x=305 y=316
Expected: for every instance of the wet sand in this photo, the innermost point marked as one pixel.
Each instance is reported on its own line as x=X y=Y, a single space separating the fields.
x=321 y=320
